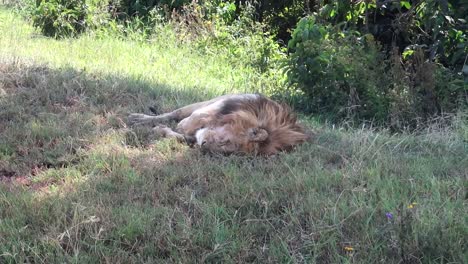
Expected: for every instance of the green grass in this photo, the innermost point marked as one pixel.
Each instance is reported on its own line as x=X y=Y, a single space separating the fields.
x=160 y=62
x=78 y=186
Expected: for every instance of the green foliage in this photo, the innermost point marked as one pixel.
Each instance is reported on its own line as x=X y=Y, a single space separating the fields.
x=220 y=10
x=445 y=33
x=420 y=89
x=60 y=18
x=346 y=76
x=451 y=89
x=422 y=41
x=280 y=17
x=141 y=8
x=439 y=27
x=339 y=72
x=65 y=18
x=244 y=41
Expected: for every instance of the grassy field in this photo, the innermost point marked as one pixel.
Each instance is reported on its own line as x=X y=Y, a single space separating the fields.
x=78 y=186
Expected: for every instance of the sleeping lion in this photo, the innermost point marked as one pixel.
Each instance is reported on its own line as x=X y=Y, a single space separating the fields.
x=231 y=124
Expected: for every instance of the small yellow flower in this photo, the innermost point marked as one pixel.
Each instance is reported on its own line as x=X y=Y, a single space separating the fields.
x=349 y=249
x=412 y=205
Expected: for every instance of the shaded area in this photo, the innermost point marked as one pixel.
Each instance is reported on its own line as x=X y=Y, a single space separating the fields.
x=49 y=117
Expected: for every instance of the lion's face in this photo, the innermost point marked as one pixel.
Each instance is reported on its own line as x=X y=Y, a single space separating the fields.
x=228 y=139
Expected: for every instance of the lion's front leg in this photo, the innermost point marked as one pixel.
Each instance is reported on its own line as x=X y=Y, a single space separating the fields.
x=189 y=126
x=167 y=132
x=137 y=119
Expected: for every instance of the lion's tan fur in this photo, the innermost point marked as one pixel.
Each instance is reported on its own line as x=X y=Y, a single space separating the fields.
x=278 y=120
x=249 y=124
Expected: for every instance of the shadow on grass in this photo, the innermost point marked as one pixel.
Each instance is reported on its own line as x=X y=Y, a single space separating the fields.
x=47 y=116
x=64 y=130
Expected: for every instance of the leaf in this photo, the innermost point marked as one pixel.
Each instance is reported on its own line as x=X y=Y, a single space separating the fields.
x=405 y=4
x=407 y=53
x=450 y=19
x=305 y=35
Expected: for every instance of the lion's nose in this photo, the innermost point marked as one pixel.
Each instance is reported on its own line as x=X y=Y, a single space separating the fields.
x=190 y=140
x=204 y=147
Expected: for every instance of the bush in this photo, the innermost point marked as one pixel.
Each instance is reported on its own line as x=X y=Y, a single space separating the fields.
x=437 y=26
x=280 y=17
x=244 y=41
x=340 y=73
x=420 y=89
x=65 y=18
x=451 y=90
x=345 y=76
x=141 y=8
x=60 y=18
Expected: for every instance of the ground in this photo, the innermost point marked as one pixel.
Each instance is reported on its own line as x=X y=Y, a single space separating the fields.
x=77 y=185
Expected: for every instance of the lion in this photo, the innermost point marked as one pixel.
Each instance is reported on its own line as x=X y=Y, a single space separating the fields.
x=232 y=124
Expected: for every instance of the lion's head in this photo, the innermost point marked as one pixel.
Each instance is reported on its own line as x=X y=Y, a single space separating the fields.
x=258 y=126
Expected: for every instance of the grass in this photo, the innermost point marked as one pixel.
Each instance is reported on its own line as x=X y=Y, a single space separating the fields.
x=78 y=186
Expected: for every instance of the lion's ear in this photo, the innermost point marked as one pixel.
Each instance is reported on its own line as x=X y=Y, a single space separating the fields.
x=257 y=134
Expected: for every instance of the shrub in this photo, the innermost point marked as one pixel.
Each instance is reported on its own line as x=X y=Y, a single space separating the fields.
x=451 y=90
x=438 y=26
x=280 y=17
x=345 y=75
x=244 y=41
x=60 y=18
x=141 y=8
x=338 y=72
x=420 y=89
x=66 y=18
